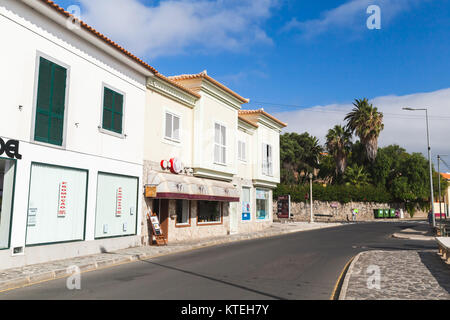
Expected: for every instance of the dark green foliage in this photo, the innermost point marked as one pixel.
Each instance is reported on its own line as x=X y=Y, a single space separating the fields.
x=299 y=155
x=340 y=193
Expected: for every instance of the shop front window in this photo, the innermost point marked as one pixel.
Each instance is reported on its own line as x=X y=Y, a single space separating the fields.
x=182 y=210
x=209 y=212
x=57 y=204
x=262 y=204
x=7 y=174
x=116 y=211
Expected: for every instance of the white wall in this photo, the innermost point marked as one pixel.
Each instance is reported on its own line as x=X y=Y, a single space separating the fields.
x=156 y=146
x=265 y=134
x=209 y=111
x=25 y=35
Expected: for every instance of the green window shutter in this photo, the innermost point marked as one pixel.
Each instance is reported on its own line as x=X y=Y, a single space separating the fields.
x=112 y=110
x=50 y=107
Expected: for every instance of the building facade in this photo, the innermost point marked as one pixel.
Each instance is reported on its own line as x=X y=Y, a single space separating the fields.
x=228 y=158
x=94 y=139
x=71 y=138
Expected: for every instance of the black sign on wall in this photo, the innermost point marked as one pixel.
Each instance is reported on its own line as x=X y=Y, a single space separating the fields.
x=10 y=148
x=284 y=206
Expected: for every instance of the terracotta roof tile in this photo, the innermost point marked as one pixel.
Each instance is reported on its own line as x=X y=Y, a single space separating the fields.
x=248 y=121
x=204 y=75
x=445 y=175
x=59 y=9
x=261 y=111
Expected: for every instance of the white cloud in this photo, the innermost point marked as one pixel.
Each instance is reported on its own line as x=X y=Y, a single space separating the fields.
x=349 y=16
x=177 y=26
x=405 y=128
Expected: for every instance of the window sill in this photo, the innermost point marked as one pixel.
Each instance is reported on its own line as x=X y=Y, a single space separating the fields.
x=112 y=133
x=220 y=164
x=182 y=225
x=218 y=223
x=50 y=145
x=172 y=142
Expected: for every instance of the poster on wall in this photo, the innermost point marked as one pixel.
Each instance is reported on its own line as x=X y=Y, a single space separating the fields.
x=284 y=207
x=245 y=211
x=62 y=199
x=261 y=194
x=119 y=198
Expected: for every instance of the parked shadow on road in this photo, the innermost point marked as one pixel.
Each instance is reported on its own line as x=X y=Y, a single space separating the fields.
x=216 y=280
x=437 y=267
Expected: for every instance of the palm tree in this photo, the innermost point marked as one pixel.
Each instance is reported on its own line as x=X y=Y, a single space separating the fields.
x=339 y=142
x=367 y=123
x=356 y=176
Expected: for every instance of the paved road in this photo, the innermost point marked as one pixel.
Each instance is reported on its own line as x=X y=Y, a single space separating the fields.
x=303 y=265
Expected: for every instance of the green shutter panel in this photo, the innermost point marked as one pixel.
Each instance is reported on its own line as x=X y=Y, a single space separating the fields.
x=43 y=106
x=58 y=101
x=108 y=101
x=50 y=102
x=118 y=111
x=44 y=86
x=112 y=110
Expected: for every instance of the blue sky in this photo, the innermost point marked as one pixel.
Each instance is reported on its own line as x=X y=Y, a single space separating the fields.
x=409 y=54
x=310 y=59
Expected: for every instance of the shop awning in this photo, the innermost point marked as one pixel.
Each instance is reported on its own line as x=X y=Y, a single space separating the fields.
x=173 y=186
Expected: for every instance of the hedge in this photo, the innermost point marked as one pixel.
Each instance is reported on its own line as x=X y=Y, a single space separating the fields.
x=340 y=193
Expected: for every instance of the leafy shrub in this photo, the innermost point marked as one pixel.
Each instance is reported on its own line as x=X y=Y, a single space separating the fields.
x=341 y=193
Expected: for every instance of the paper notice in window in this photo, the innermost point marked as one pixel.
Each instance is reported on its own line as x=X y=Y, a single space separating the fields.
x=119 y=199
x=62 y=201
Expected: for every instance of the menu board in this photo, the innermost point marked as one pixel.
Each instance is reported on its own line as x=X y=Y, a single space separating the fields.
x=284 y=206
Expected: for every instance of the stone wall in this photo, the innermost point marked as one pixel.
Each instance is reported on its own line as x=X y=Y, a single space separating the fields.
x=335 y=211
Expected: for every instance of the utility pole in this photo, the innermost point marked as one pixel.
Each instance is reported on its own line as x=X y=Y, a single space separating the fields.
x=429 y=161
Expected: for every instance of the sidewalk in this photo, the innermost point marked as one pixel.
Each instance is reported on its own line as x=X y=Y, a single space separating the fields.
x=18 y=277
x=403 y=275
x=419 y=232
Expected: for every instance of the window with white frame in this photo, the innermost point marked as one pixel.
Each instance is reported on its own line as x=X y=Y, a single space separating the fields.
x=267 y=163
x=241 y=151
x=220 y=143
x=182 y=209
x=172 y=127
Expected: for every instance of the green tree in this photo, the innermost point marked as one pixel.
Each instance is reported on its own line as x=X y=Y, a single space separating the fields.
x=367 y=123
x=356 y=176
x=339 y=142
x=299 y=154
x=387 y=165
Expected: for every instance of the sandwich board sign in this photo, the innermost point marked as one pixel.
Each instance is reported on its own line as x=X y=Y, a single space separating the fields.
x=157 y=232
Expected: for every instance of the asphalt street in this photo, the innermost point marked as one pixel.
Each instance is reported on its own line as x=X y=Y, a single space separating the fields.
x=304 y=265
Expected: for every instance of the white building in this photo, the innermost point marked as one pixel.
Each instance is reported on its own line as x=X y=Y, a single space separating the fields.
x=71 y=134
x=85 y=127
x=229 y=159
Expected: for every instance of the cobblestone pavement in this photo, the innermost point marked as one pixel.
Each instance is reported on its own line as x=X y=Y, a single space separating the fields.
x=17 y=277
x=404 y=275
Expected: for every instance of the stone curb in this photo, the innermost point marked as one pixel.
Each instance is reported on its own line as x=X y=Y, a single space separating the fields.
x=344 y=288
x=412 y=237
x=96 y=265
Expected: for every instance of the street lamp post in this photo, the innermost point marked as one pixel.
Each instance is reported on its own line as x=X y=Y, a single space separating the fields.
x=429 y=161
x=439 y=183
x=310 y=197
